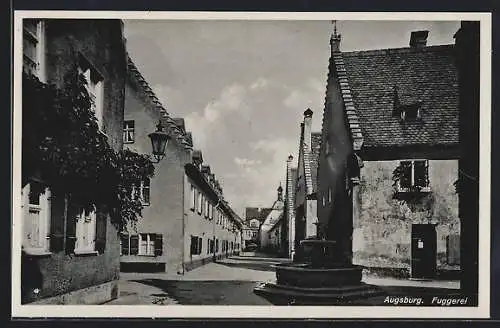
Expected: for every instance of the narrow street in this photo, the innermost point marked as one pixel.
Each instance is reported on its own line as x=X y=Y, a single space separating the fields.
x=231 y=282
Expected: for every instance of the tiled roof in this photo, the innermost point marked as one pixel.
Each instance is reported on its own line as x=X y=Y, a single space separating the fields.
x=315 y=149
x=427 y=75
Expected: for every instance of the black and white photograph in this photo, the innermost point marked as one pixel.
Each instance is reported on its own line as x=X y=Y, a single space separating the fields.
x=291 y=165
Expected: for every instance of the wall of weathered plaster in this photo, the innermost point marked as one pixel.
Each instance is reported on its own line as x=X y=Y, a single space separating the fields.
x=382 y=234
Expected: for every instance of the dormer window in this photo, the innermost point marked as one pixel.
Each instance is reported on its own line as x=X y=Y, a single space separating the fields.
x=410 y=112
x=406 y=107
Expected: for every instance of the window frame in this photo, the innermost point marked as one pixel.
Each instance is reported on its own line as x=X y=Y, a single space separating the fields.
x=86 y=226
x=192 y=203
x=150 y=243
x=126 y=130
x=426 y=188
x=38 y=38
x=43 y=209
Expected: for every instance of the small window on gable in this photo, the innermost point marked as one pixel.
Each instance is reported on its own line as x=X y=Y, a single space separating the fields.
x=128 y=131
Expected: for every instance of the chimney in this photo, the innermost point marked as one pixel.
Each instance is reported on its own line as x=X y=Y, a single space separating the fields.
x=418 y=39
x=335 y=39
x=197 y=158
x=205 y=170
x=307 y=127
x=280 y=193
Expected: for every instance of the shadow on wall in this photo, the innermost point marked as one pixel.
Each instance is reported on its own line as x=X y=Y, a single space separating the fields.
x=31 y=278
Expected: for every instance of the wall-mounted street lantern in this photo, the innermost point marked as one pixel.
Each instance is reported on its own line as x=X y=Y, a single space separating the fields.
x=159 y=141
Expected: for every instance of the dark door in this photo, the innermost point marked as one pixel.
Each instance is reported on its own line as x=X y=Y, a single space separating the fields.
x=423 y=251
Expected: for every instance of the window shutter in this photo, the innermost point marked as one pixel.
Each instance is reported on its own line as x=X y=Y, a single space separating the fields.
x=58 y=214
x=73 y=212
x=405 y=179
x=125 y=244
x=193 y=245
x=134 y=245
x=101 y=228
x=159 y=244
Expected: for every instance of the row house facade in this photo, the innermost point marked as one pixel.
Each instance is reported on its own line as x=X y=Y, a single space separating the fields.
x=389 y=156
x=173 y=234
x=70 y=255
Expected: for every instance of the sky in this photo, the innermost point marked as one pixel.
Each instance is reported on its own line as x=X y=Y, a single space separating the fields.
x=242 y=86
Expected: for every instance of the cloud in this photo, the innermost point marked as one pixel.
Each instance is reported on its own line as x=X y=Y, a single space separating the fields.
x=257 y=184
x=246 y=162
x=230 y=100
x=259 y=83
x=304 y=97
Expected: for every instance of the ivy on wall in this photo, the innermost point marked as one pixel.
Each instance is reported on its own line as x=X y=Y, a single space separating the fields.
x=63 y=147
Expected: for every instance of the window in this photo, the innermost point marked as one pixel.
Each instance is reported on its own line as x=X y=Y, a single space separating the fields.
x=33 y=47
x=196 y=245
x=147 y=244
x=94 y=88
x=329 y=195
x=193 y=198
x=206 y=208
x=211 y=212
x=85 y=230
x=410 y=112
x=200 y=202
x=36 y=212
x=128 y=132
x=144 y=244
x=144 y=192
x=413 y=174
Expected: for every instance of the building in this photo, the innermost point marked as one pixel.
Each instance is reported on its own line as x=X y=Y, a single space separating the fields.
x=306 y=183
x=387 y=167
x=254 y=218
x=186 y=221
x=270 y=230
x=212 y=229
x=157 y=245
x=288 y=224
x=71 y=254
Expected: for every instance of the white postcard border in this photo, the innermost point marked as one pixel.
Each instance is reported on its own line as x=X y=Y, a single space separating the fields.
x=207 y=311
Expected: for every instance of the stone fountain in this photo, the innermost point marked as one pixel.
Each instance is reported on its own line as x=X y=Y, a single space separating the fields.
x=320 y=275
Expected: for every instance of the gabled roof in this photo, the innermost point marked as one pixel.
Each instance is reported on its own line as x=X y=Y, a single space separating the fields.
x=273 y=215
x=424 y=76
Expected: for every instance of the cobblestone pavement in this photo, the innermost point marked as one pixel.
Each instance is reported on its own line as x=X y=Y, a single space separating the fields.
x=231 y=282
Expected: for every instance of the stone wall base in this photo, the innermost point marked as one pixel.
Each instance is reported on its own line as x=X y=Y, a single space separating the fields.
x=91 y=295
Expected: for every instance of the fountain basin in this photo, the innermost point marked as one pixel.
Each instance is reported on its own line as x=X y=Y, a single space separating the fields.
x=305 y=275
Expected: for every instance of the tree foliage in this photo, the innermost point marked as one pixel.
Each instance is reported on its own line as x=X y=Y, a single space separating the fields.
x=62 y=145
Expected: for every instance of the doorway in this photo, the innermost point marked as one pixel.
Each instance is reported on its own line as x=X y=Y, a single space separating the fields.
x=423 y=251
